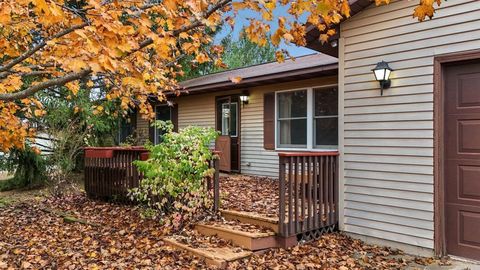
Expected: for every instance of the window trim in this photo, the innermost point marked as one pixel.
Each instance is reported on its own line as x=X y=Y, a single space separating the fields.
x=310 y=117
x=155 y=130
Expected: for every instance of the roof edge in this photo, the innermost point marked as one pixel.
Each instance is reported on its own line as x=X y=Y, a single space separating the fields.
x=313 y=42
x=228 y=85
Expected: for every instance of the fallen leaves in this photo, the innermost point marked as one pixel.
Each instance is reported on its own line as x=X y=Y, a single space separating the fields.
x=35 y=239
x=250 y=194
x=32 y=238
x=332 y=251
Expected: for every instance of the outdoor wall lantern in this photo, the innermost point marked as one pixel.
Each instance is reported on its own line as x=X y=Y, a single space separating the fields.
x=244 y=97
x=382 y=73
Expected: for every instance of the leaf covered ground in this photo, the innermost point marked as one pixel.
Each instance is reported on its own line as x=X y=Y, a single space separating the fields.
x=74 y=232
x=34 y=235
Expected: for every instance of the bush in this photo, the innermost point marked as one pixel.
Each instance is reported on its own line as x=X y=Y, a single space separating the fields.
x=28 y=167
x=174 y=175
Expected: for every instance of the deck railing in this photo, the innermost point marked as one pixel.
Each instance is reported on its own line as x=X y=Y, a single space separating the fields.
x=110 y=172
x=308 y=193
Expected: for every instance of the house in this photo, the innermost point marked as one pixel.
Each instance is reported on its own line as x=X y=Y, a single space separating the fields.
x=409 y=160
x=247 y=140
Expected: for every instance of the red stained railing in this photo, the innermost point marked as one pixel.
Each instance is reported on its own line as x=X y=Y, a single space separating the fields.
x=110 y=172
x=308 y=193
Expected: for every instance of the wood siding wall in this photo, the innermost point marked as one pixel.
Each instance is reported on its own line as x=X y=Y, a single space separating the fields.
x=255 y=160
x=388 y=141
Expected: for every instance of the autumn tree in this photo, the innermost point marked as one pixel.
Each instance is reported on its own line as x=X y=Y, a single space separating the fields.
x=131 y=47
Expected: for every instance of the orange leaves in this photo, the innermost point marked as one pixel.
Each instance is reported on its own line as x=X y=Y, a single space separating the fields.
x=13 y=131
x=280 y=56
x=75 y=64
x=236 y=79
x=74 y=87
x=257 y=32
x=11 y=84
x=133 y=82
x=5 y=14
x=202 y=58
x=97 y=109
x=134 y=47
x=345 y=9
x=39 y=113
x=425 y=9
x=171 y=5
x=49 y=12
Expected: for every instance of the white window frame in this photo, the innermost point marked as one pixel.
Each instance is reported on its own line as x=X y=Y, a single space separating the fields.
x=155 y=130
x=310 y=118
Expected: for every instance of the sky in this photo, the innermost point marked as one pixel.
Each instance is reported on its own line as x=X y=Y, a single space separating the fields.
x=242 y=19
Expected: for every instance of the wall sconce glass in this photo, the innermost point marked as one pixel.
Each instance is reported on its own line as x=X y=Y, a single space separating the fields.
x=244 y=96
x=382 y=73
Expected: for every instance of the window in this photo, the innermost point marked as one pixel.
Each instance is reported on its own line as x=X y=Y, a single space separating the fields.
x=163 y=113
x=229 y=118
x=326 y=118
x=126 y=130
x=307 y=119
x=292 y=119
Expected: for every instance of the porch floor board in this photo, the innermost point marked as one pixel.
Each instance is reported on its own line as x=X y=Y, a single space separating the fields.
x=256 y=197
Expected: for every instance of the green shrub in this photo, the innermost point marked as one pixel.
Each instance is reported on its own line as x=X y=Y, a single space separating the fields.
x=174 y=175
x=28 y=168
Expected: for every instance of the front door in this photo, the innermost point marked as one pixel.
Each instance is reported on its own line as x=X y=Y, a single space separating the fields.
x=462 y=159
x=228 y=115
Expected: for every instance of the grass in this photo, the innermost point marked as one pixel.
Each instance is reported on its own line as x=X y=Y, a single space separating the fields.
x=4 y=202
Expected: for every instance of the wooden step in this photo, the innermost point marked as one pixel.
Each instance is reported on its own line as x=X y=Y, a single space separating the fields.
x=253 y=241
x=251 y=218
x=214 y=256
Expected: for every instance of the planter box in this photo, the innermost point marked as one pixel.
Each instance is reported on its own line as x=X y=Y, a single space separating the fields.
x=98 y=153
x=144 y=156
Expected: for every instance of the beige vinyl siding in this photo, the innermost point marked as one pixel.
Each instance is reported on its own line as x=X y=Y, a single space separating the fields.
x=196 y=110
x=199 y=110
x=388 y=141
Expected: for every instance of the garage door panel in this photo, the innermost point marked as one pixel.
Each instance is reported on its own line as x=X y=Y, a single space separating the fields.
x=468 y=183
x=468 y=141
x=465 y=83
x=468 y=91
x=463 y=238
x=463 y=182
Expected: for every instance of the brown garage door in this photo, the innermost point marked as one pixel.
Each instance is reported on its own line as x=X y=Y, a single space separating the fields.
x=462 y=159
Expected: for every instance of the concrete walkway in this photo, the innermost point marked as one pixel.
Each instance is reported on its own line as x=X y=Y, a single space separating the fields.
x=450 y=265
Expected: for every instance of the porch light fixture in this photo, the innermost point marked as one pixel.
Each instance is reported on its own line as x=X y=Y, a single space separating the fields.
x=382 y=73
x=244 y=97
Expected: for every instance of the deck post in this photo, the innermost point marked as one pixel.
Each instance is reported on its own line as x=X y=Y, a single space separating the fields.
x=216 y=184
x=336 y=190
x=281 y=214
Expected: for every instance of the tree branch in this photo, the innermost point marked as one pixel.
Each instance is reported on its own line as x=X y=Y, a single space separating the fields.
x=37 y=87
x=39 y=46
x=5 y=74
x=186 y=28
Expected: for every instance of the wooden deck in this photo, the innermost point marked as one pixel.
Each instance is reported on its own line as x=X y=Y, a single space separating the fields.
x=303 y=201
